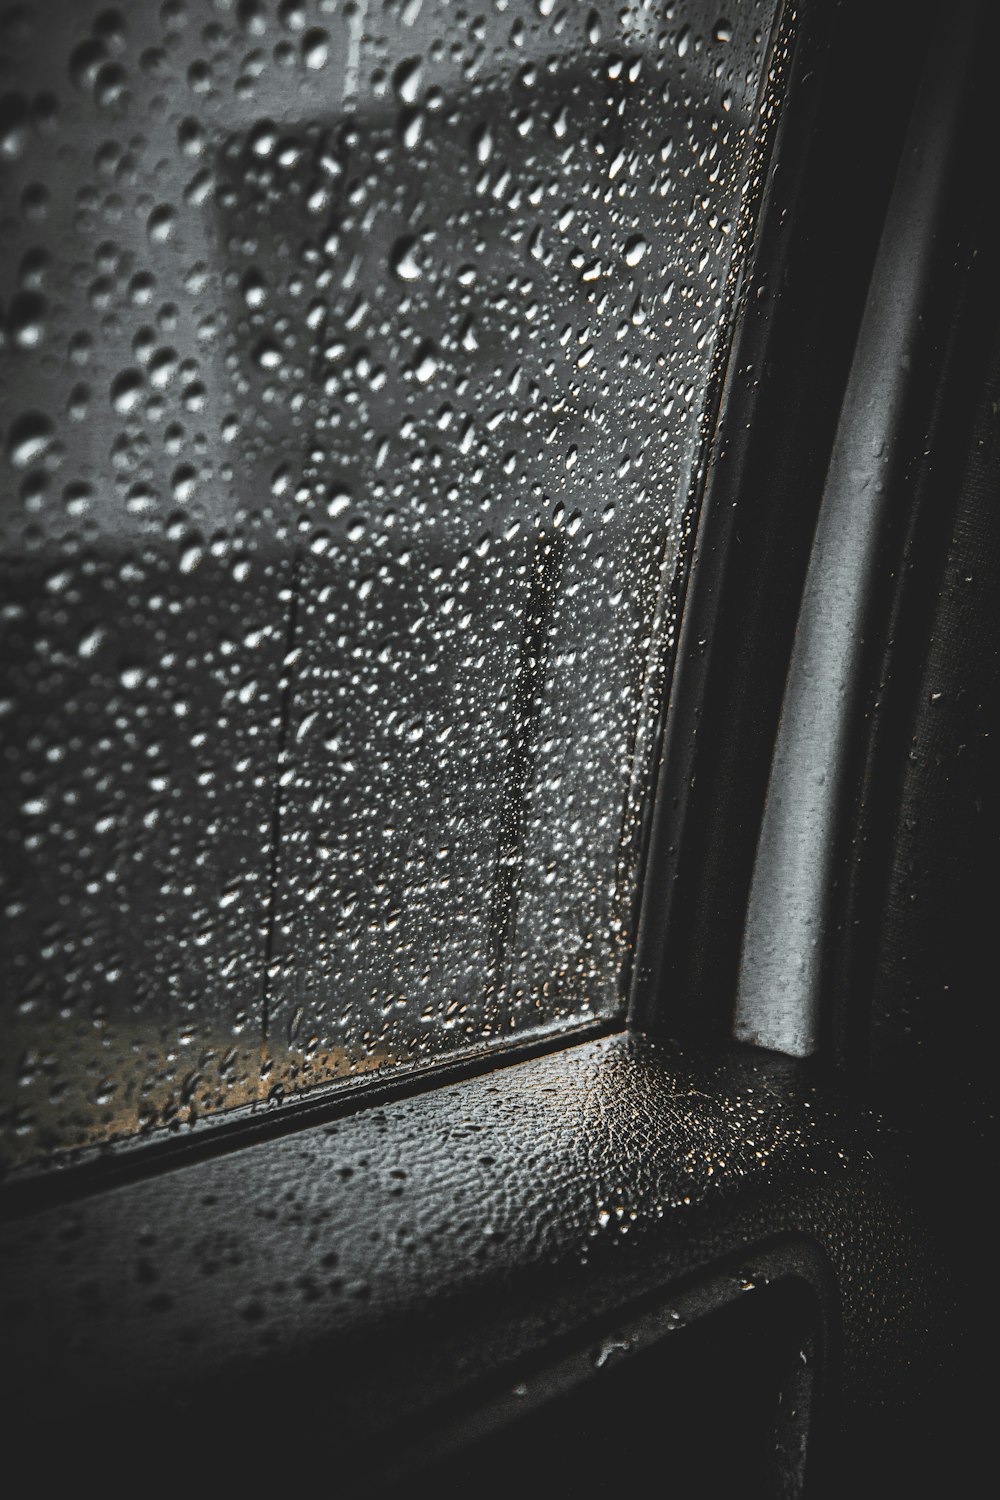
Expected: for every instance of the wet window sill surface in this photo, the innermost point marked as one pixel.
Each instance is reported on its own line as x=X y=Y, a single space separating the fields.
x=391 y=1258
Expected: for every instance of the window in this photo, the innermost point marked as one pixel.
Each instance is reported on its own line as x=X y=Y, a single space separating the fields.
x=361 y=367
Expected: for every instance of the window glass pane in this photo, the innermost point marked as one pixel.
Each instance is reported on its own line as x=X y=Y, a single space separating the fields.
x=354 y=390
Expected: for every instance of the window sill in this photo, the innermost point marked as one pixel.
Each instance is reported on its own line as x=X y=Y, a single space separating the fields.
x=389 y=1264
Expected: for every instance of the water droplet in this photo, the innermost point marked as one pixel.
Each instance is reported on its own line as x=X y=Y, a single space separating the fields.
x=406 y=80
x=426 y=362
x=26 y=319
x=191 y=557
x=92 y=642
x=14 y=126
x=161 y=224
x=267 y=354
x=30 y=437
x=635 y=249
x=126 y=390
x=482 y=142
x=316 y=48
x=404 y=258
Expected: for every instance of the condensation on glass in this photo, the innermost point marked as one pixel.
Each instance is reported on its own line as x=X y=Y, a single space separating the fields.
x=353 y=394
